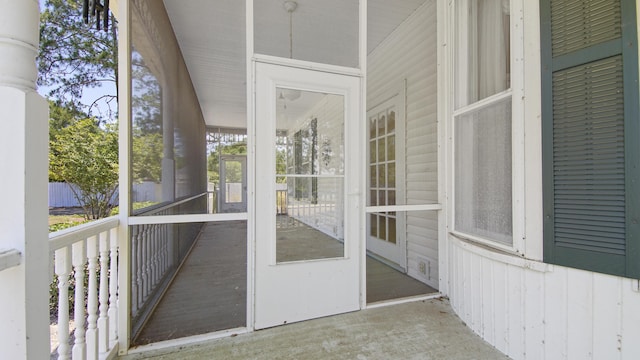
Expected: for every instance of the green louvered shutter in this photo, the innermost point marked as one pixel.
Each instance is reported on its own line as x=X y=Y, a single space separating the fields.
x=591 y=135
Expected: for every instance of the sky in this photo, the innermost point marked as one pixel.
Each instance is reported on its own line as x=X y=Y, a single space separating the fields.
x=102 y=110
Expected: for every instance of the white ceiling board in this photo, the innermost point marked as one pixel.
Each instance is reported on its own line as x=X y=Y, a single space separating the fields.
x=384 y=16
x=322 y=31
x=211 y=35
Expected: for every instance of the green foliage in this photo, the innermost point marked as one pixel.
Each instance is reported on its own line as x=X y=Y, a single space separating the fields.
x=136 y=206
x=74 y=56
x=64 y=225
x=146 y=97
x=60 y=116
x=86 y=155
x=146 y=157
x=233 y=170
x=147 y=125
x=213 y=161
x=71 y=280
x=281 y=165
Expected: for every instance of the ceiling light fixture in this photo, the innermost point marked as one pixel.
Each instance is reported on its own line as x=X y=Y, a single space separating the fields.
x=290 y=94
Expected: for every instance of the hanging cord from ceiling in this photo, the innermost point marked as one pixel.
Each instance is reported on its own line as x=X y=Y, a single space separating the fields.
x=290 y=6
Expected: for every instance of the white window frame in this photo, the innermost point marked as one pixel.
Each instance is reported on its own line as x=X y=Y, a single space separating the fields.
x=452 y=30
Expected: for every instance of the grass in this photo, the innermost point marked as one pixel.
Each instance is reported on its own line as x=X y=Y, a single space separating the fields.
x=59 y=222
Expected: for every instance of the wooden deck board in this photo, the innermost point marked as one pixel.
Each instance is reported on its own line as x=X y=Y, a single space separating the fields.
x=209 y=293
x=386 y=283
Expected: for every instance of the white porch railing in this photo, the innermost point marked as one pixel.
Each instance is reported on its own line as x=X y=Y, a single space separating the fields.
x=89 y=252
x=152 y=263
x=156 y=252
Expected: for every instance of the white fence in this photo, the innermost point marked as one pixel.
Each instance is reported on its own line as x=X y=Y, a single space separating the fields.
x=87 y=254
x=61 y=195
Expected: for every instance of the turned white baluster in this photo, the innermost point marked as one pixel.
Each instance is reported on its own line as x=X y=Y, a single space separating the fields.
x=135 y=268
x=92 y=299
x=141 y=292
x=62 y=269
x=171 y=246
x=142 y=265
x=103 y=320
x=159 y=250
x=113 y=287
x=147 y=262
x=79 y=260
x=165 y=248
x=154 y=256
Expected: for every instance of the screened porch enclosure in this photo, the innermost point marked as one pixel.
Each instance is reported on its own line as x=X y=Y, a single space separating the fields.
x=190 y=135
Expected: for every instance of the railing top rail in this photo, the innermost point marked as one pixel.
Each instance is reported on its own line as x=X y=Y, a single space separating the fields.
x=66 y=237
x=9 y=258
x=169 y=206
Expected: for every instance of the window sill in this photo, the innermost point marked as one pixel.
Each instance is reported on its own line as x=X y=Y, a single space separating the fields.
x=483 y=103
x=501 y=255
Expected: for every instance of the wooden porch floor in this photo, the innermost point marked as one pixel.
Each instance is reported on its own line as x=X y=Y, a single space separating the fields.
x=209 y=293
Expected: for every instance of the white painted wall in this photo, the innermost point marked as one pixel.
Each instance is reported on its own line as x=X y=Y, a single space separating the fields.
x=525 y=308
x=531 y=310
x=23 y=217
x=410 y=53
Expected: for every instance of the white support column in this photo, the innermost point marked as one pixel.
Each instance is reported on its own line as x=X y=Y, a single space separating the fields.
x=168 y=156
x=24 y=314
x=125 y=285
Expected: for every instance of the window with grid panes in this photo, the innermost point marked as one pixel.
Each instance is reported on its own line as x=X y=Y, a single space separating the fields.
x=382 y=172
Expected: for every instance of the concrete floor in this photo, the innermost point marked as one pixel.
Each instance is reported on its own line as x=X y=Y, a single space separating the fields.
x=418 y=330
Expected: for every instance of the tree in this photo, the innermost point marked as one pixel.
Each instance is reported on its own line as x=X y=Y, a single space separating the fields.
x=146 y=156
x=86 y=155
x=60 y=116
x=213 y=159
x=74 y=56
x=146 y=127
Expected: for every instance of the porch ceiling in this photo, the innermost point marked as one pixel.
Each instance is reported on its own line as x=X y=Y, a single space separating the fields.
x=211 y=35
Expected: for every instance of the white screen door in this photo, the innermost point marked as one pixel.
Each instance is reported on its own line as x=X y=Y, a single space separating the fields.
x=233 y=183
x=307 y=196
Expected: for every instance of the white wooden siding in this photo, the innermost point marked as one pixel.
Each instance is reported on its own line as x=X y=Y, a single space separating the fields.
x=530 y=310
x=410 y=53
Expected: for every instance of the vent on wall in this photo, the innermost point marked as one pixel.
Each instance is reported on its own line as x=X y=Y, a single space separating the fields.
x=424 y=268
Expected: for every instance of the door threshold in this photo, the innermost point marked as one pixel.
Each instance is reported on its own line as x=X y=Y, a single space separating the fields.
x=161 y=347
x=403 y=300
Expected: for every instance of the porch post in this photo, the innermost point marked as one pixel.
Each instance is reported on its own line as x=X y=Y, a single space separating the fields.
x=168 y=156
x=24 y=320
